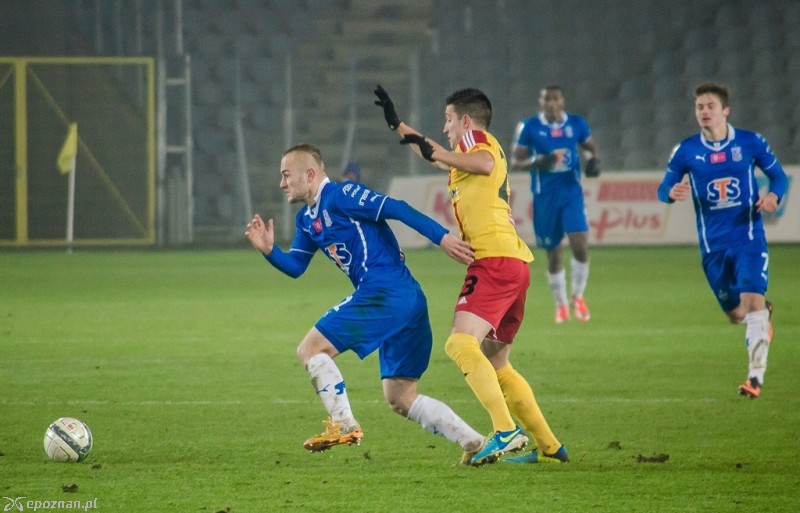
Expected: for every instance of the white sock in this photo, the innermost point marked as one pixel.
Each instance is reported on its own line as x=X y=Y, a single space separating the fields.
x=558 y=286
x=440 y=419
x=580 y=275
x=329 y=385
x=757 y=340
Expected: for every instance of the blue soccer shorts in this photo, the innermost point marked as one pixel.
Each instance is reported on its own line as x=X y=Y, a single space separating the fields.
x=740 y=268
x=557 y=213
x=391 y=318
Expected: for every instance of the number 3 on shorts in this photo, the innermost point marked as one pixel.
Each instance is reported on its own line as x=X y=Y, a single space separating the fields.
x=469 y=285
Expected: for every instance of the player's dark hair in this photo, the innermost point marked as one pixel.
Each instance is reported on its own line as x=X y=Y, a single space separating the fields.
x=554 y=88
x=306 y=148
x=473 y=102
x=717 y=89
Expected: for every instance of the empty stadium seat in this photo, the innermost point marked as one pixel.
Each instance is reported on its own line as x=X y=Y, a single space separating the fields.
x=664 y=140
x=698 y=67
x=630 y=71
x=732 y=66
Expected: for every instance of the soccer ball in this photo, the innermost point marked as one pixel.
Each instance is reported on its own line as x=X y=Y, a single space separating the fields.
x=67 y=439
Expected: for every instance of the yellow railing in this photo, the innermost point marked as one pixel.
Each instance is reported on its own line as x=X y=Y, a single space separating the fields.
x=112 y=99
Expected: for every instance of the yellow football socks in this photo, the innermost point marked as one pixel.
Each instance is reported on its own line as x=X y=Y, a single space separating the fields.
x=522 y=404
x=481 y=377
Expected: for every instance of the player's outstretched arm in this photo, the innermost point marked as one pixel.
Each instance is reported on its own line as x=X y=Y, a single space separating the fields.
x=457 y=249
x=386 y=103
x=408 y=135
x=424 y=146
x=454 y=247
x=261 y=235
x=523 y=159
x=292 y=263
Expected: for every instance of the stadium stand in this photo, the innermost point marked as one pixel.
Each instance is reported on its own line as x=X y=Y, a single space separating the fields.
x=629 y=66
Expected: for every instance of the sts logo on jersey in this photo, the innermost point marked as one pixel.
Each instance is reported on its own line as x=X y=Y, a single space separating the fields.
x=563 y=160
x=340 y=255
x=723 y=192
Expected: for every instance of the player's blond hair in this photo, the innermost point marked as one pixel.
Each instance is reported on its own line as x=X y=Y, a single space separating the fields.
x=309 y=149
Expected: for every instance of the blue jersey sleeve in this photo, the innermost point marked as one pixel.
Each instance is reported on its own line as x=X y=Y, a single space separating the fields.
x=522 y=138
x=582 y=129
x=674 y=174
x=360 y=202
x=413 y=218
x=294 y=262
x=768 y=162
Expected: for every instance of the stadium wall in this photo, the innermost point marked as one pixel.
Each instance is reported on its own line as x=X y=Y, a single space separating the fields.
x=623 y=209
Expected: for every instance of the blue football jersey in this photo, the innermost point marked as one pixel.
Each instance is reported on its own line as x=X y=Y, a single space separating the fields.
x=724 y=187
x=542 y=137
x=348 y=224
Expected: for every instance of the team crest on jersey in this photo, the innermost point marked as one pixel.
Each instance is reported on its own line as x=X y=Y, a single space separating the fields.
x=317 y=225
x=556 y=132
x=736 y=153
x=340 y=255
x=327 y=218
x=718 y=158
x=724 y=192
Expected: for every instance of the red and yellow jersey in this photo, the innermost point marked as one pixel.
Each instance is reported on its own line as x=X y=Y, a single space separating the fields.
x=480 y=203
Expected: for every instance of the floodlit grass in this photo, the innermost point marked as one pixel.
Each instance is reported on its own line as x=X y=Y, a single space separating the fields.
x=182 y=364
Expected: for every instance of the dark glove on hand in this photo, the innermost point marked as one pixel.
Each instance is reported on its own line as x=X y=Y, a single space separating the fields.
x=592 y=168
x=424 y=146
x=388 y=107
x=545 y=162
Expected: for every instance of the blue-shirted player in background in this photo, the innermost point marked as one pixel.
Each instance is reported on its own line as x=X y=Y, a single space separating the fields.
x=388 y=310
x=720 y=164
x=550 y=146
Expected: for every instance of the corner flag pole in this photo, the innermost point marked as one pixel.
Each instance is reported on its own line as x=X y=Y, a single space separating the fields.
x=66 y=164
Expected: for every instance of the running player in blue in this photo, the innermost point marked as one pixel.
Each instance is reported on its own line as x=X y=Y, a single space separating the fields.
x=720 y=164
x=388 y=310
x=550 y=145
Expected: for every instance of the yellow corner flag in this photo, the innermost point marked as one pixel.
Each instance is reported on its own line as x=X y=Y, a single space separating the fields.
x=66 y=158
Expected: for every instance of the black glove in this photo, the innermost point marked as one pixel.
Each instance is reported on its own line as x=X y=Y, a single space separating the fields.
x=545 y=162
x=424 y=146
x=388 y=107
x=592 y=168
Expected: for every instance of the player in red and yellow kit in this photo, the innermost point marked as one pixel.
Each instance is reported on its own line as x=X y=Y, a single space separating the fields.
x=491 y=305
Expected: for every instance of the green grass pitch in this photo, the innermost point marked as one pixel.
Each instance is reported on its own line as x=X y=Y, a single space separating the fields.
x=182 y=363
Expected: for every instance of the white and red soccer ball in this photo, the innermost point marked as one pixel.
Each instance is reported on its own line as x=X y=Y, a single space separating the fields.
x=67 y=439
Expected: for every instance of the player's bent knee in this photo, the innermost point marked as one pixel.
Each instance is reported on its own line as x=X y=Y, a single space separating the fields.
x=399 y=402
x=458 y=344
x=452 y=345
x=307 y=350
x=314 y=343
x=736 y=316
x=398 y=407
